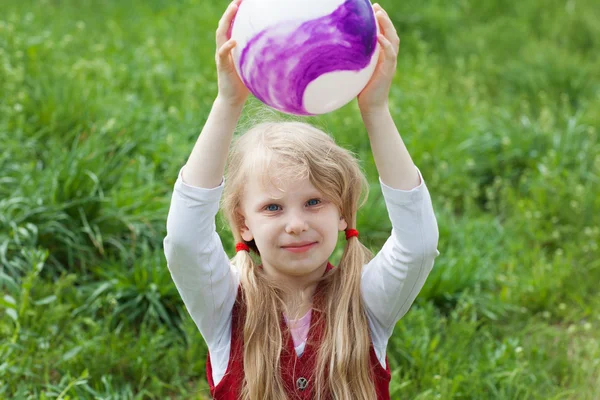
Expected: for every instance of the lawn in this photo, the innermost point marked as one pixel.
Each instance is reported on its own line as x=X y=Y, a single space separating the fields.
x=497 y=101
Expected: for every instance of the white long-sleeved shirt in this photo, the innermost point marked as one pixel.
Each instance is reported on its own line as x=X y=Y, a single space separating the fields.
x=208 y=283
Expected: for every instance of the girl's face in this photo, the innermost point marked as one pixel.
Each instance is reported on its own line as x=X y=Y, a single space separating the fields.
x=295 y=228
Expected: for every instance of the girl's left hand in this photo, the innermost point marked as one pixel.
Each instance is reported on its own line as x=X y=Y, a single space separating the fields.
x=375 y=94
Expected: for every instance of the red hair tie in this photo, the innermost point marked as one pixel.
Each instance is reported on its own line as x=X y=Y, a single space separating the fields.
x=351 y=233
x=242 y=246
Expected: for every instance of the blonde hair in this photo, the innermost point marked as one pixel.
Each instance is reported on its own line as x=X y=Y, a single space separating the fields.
x=343 y=368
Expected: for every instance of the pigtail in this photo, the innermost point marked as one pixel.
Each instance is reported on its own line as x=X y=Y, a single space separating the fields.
x=262 y=353
x=343 y=365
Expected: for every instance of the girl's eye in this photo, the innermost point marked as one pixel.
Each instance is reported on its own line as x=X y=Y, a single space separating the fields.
x=271 y=207
x=275 y=207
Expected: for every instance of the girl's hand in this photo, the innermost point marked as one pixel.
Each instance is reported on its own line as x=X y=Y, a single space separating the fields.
x=231 y=88
x=375 y=94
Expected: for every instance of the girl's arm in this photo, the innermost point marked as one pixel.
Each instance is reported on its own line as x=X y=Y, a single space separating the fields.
x=392 y=159
x=393 y=278
x=206 y=164
x=195 y=256
x=393 y=162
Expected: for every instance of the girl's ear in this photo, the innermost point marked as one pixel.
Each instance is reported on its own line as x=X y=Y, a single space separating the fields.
x=342 y=225
x=245 y=232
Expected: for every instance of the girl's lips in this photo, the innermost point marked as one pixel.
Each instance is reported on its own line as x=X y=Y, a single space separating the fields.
x=300 y=249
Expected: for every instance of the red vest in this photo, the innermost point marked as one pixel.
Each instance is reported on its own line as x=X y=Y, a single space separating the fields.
x=296 y=371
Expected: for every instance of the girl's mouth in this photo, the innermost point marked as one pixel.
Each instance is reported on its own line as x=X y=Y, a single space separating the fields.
x=300 y=249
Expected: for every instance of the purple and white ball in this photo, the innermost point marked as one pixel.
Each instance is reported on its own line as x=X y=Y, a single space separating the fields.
x=305 y=57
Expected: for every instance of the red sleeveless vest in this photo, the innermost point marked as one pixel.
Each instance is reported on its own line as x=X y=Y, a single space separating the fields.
x=296 y=371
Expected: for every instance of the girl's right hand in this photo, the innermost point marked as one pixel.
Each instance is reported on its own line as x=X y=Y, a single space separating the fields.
x=231 y=88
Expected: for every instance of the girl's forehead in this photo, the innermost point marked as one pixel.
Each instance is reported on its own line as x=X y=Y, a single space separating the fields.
x=272 y=173
x=271 y=176
x=278 y=185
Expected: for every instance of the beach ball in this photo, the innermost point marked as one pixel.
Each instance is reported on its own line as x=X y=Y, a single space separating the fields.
x=305 y=57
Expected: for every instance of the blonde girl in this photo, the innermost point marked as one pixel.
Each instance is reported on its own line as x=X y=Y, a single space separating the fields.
x=280 y=321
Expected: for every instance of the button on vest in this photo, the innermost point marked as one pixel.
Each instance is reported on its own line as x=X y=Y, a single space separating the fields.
x=302 y=383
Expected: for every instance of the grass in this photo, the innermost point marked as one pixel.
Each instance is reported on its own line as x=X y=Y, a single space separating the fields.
x=498 y=102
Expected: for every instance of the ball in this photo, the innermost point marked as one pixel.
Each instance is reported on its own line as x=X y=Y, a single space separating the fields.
x=305 y=57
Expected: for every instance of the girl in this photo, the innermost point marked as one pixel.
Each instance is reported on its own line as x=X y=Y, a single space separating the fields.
x=293 y=325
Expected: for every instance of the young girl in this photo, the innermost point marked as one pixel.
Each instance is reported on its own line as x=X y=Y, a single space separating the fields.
x=293 y=326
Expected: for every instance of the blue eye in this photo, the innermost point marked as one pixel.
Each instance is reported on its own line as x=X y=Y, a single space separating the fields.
x=269 y=207
x=317 y=201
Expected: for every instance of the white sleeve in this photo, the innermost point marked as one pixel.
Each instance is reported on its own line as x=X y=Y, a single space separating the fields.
x=200 y=267
x=393 y=278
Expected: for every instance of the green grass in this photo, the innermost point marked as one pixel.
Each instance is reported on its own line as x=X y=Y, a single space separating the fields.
x=498 y=102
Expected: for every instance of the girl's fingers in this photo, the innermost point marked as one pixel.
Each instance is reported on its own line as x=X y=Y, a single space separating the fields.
x=388 y=49
x=387 y=28
x=384 y=42
x=225 y=23
x=224 y=52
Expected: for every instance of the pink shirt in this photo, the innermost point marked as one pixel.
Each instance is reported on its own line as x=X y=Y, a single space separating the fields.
x=299 y=328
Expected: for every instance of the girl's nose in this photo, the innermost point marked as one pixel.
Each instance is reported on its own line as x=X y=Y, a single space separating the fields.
x=296 y=224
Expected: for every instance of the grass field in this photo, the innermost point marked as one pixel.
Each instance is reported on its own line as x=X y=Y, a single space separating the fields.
x=498 y=102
